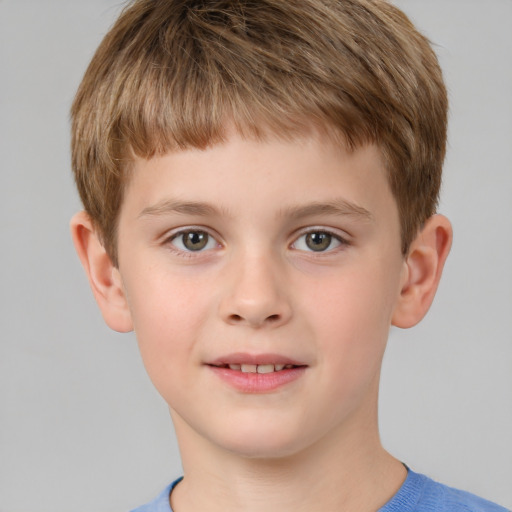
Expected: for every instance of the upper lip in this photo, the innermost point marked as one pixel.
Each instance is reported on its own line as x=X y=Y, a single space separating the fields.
x=257 y=359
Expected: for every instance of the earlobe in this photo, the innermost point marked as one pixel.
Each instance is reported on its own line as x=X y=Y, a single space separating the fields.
x=424 y=266
x=104 y=277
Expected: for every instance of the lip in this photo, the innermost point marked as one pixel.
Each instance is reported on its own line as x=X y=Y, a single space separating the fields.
x=246 y=358
x=256 y=383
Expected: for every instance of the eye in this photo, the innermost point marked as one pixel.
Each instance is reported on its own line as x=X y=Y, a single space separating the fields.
x=318 y=241
x=193 y=240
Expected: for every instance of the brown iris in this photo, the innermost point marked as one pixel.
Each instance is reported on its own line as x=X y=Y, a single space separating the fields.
x=195 y=240
x=318 y=241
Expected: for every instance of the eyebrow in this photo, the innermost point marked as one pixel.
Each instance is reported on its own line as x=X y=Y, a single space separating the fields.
x=337 y=207
x=183 y=207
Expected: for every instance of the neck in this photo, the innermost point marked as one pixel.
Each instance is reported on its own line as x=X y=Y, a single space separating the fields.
x=346 y=471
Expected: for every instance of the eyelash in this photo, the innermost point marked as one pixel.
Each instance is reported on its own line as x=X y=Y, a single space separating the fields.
x=334 y=237
x=187 y=253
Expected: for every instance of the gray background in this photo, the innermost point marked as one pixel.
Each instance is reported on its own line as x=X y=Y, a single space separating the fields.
x=81 y=428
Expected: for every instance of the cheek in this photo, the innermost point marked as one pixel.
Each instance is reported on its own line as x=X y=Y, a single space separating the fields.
x=164 y=304
x=168 y=316
x=352 y=314
x=355 y=298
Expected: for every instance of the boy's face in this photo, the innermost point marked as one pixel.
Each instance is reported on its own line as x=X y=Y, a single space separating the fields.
x=263 y=253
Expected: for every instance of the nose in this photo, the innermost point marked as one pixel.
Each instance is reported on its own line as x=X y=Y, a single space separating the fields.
x=256 y=294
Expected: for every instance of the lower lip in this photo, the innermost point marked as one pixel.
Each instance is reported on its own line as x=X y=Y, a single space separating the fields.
x=258 y=382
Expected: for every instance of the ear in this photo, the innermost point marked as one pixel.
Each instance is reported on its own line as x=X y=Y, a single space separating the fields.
x=104 y=277
x=423 y=267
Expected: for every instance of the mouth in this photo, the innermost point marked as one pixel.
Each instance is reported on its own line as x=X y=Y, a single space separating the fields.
x=263 y=373
x=257 y=368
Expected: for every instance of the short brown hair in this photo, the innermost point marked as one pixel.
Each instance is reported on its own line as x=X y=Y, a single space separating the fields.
x=170 y=74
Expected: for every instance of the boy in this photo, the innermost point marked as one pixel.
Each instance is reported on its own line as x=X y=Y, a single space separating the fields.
x=260 y=182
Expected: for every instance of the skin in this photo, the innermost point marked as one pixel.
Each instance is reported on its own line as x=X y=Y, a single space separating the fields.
x=259 y=287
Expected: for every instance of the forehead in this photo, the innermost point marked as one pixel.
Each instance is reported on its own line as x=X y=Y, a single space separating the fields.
x=286 y=174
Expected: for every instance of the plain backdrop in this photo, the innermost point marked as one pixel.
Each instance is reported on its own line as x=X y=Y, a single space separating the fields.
x=81 y=428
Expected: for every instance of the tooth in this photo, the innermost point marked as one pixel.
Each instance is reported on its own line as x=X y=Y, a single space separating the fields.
x=288 y=366
x=234 y=366
x=265 y=368
x=278 y=367
x=249 y=368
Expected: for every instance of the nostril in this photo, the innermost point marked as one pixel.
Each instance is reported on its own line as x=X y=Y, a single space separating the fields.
x=271 y=319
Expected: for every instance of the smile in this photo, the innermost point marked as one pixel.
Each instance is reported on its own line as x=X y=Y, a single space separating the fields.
x=263 y=373
x=258 y=368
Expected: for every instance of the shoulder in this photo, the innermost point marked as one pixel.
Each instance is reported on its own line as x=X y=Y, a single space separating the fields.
x=456 y=500
x=161 y=502
x=421 y=494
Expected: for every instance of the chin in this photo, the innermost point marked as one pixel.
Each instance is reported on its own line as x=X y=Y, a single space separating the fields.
x=264 y=444
x=264 y=452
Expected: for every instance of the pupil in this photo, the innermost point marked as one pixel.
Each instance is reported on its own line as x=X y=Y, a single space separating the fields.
x=318 y=241
x=195 y=240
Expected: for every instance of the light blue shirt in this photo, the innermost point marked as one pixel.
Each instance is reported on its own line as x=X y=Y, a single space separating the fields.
x=417 y=494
